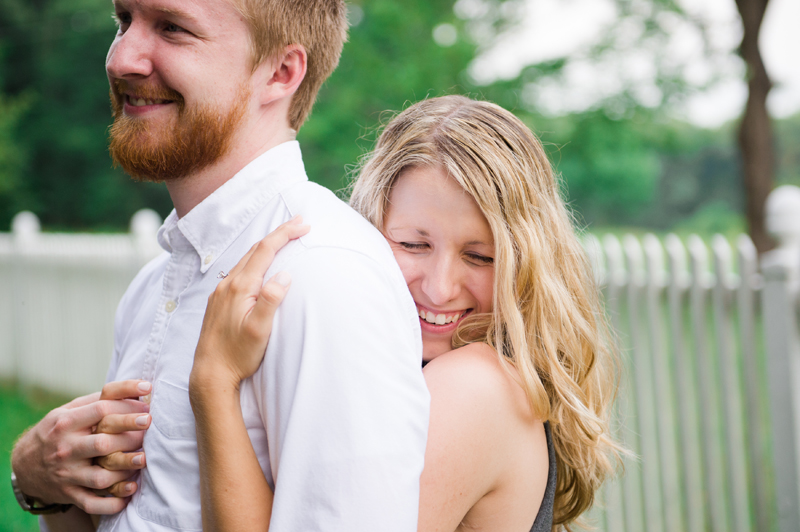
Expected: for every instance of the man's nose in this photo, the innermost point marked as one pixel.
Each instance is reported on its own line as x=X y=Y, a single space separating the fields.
x=442 y=283
x=130 y=55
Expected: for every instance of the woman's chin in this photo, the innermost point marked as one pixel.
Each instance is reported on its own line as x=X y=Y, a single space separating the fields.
x=433 y=348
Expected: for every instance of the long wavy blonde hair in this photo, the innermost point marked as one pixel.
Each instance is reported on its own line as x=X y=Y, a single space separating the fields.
x=546 y=321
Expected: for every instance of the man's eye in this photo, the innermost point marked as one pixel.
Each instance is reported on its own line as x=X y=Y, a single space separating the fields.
x=172 y=28
x=122 y=20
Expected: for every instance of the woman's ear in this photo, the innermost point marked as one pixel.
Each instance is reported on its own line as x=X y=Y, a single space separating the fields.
x=283 y=74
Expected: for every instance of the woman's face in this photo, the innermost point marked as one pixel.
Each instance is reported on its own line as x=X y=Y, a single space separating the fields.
x=444 y=247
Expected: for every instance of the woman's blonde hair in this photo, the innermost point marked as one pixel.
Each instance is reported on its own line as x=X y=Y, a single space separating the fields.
x=547 y=320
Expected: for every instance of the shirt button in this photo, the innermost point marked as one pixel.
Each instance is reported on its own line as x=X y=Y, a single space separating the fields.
x=208 y=259
x=170 y=306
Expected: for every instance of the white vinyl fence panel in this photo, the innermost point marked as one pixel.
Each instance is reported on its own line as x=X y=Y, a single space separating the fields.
x=710 y=395
x=58 y=296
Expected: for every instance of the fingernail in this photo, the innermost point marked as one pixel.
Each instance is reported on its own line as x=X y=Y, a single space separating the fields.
x=297 y=219
x=283 y=278
x=142 y=420
x=129 y=486
x=138 y=459
x=144 y=386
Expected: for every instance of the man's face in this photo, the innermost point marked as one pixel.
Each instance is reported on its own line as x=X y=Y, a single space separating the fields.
x=180 y=85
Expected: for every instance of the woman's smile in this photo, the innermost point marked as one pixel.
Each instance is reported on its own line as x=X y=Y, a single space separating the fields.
x=440 y=322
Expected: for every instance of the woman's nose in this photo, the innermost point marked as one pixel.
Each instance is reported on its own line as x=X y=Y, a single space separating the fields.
x=441 y=283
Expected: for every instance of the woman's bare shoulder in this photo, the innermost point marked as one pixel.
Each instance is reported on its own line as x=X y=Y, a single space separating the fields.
x=483 y=443
x=477 y=376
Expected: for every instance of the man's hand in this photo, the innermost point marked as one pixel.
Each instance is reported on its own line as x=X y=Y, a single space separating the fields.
x=53 y=460
x=117 y=424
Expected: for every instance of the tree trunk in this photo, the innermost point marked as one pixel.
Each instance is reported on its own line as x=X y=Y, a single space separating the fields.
x=755 y=131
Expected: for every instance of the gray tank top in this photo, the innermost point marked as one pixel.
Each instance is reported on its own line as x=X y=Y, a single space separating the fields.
x=544 y=519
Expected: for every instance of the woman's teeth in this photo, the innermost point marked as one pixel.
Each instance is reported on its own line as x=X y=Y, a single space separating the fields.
x=439 y=319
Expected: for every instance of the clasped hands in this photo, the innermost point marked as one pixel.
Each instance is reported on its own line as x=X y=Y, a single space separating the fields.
x=86 y=450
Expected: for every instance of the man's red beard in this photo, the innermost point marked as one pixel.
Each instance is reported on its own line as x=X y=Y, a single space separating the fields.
x=194 y=139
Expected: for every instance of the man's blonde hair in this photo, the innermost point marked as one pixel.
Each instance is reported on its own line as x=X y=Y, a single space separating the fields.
x=320 y=26
x=546 y=320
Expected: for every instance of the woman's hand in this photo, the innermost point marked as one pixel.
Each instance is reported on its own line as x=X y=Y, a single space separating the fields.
x=238 y=320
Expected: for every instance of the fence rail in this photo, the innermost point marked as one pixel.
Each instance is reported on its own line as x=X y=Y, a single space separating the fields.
x=710 y=401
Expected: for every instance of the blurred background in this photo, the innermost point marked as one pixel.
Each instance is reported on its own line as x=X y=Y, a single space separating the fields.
x=638 y=101
x=640 y=104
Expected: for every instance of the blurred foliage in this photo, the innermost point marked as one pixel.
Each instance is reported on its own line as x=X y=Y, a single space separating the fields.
x=19 y=409
x=622 y=162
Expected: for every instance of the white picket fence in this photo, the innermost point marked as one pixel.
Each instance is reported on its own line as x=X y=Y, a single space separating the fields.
x=58 y=296
x=710 y=401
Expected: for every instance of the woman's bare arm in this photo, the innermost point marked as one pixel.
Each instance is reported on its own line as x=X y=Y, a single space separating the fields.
x=234 y=494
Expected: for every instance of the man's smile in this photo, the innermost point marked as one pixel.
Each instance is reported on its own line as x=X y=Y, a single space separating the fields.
x=141 y=102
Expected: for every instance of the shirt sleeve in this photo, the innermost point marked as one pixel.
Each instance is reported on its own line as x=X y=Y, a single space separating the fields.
x=343 y=398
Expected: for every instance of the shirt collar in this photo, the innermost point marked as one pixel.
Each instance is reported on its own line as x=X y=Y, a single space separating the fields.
x=216 y=221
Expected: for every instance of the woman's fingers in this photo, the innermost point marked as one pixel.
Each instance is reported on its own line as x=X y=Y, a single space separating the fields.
x=239 y=265
x=130 y=389
x=273 y=241
x=265 y=252
x=121 y=461
x=118 y=423
x=270 y=297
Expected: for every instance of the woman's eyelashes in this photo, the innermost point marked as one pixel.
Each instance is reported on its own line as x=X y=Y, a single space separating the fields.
x=475 y=258
x=482 y=259
x=413 y=245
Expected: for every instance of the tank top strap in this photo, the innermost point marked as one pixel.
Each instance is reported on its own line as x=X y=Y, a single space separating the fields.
x=544 y=519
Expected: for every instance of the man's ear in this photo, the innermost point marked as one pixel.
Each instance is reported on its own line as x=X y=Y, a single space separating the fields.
x=284 y=74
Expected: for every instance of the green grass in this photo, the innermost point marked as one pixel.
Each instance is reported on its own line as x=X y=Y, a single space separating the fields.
x=19 y=409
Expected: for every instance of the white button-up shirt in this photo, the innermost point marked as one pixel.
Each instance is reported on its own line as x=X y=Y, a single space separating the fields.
x=338 y=411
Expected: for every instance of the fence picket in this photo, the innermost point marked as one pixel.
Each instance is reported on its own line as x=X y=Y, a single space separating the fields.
x=662 y=377
x=739 y=503
x=706 y=377
x=632 y=481
x=686 y=386
x=643 y=387
x=753 y=385
x=611 y=496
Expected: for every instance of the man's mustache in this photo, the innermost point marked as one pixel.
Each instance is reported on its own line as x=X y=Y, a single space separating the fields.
x=146 y=91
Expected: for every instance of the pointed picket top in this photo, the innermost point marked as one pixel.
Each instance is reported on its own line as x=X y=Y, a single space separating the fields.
x=654 y=258
x=676 y=255
x=698 y=258
x=746 y=250
x=634 y=259
x=723 y=262
x=615 y=260
x=594 y=253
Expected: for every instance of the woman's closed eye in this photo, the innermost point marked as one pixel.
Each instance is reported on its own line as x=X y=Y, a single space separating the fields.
x=480 y=259
x=417 y=246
